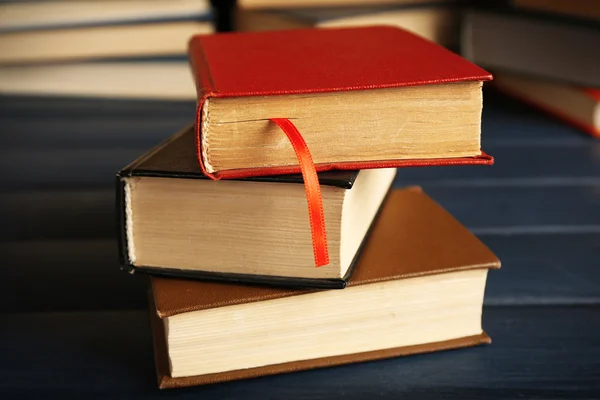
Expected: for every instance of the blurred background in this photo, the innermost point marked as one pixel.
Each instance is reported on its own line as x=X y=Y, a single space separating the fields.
x=88 y=86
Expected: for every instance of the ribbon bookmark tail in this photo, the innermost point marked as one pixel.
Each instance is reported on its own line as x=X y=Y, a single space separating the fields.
x=312 y=188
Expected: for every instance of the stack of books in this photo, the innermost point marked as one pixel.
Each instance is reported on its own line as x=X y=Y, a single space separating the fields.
x=100 y=48
x=543 y=52
x=432 y=19
x=269 y=230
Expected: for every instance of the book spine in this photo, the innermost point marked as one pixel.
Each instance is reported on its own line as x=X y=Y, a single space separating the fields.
x=482 y=159
x=121 y=224
x=121 y=202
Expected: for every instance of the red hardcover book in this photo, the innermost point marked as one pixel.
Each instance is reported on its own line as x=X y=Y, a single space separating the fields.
x=359 y=98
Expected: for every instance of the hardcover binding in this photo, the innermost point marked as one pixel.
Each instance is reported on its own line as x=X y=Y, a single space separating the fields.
x=221 y=54
x=358 y=69
x=176 y=158
x=262 y=280
x=412 y=228
x=265 y=280
x=165 y=381
x=483 y=159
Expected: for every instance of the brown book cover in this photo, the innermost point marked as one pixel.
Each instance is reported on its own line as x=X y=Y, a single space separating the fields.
x=412 y=237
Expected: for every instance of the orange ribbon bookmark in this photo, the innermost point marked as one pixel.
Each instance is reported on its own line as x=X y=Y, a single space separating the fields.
x=312 y=188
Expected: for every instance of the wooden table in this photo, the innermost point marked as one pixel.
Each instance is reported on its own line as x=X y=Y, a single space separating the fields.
x=73 y=325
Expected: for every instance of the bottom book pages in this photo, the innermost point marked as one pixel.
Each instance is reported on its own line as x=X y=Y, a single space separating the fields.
x=418 y=287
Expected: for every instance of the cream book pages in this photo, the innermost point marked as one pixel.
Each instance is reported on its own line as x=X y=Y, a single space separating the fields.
x=127 y=80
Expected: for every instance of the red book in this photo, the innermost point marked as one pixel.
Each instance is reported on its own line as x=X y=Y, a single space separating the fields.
x=357 y=98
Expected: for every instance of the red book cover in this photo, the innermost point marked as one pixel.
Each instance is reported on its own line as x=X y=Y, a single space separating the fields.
x=593 y=93
x=318 y=61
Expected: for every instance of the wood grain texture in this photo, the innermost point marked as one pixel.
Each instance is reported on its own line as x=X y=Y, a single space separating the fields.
x=82 y=143
x=72 y=162
x=65 y=107
x=89 y=213
x=89 y=132
x=75 y=163
x=506 y=121
x=44 y=214
x=64 y=168
x=67 y=275
x=549 y=270
x=522 y=209
x=517 y=165
x=537 y=208
x=550 y=353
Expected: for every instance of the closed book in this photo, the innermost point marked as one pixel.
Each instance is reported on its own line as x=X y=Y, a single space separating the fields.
x=542 y=46
x=435 y=22
x=368 y=97
x=176 y=221
x=418 y=287
x=575 y=105
x=38 y=15
x=151 y=80
x=97 y=42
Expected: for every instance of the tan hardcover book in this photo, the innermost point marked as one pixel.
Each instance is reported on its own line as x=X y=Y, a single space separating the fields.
x=418 y=287
x=175 y=221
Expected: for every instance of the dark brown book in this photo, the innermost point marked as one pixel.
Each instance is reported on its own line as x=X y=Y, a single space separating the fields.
x=175 y=221
x=418 y=287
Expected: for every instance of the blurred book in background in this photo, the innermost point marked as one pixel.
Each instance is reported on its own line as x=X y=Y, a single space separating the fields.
x=48 y=14
x=126 y=48
x=279 y=4
x=545 y=53
x=152 y=80
x=575 y=105
x=587 y=9
x=436 y=21
x=555 y=48
x=99 y=42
